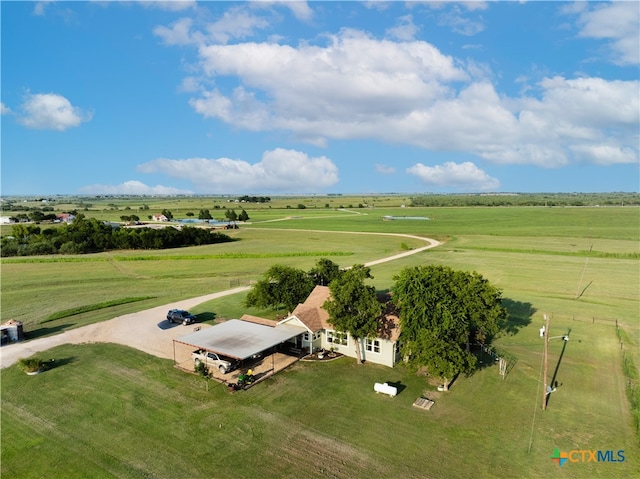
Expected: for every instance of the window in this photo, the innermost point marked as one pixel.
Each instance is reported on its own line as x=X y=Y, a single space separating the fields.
x=306 y=336
x=337 y=338
x=372 y=345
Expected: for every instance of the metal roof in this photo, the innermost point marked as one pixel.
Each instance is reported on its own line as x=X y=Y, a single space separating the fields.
x=240 y=339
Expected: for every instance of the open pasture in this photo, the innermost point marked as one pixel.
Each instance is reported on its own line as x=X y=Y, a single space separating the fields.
x=579 y=265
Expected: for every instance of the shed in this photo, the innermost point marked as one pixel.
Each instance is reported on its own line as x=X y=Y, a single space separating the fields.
x=11 y=331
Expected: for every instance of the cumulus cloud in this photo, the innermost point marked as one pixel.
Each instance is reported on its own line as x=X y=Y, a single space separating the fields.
x=4 y=110
x=404 y=29
x=616 y=22
x=49 y=111
x=279 y=170
x=463 y=176
x=351 y=85
x=133 y=187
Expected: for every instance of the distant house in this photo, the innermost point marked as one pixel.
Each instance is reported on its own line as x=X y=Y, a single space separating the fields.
x=65 y=217
x=159 y=218
x=5 y=220
x=320 y=334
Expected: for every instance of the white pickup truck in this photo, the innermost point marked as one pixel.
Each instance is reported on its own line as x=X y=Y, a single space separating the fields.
x=211 y=360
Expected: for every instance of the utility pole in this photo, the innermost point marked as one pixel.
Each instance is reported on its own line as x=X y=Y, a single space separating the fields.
x=546 y=358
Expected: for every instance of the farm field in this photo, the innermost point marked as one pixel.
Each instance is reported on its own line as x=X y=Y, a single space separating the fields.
x=579 y=265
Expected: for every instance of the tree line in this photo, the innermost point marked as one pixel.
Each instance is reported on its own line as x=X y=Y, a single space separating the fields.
x=91 y=236
x=442 y=312
x=527 y=199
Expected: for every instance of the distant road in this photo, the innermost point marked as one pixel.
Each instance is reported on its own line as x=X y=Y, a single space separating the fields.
x=148 y=330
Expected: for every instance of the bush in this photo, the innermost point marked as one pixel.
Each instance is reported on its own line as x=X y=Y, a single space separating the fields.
x=32 y=365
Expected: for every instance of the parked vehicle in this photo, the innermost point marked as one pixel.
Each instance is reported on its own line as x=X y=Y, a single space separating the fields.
x=180 y=316
x=212 y=360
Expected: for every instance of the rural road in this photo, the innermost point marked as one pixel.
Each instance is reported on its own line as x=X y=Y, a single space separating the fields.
x=148 y=330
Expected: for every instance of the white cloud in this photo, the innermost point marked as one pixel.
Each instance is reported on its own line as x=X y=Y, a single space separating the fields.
x=385 y=169
x=460 y=23
x=279 y=170
x=404 y=29
x=235 y=23
x=299 y=8
x=39 y=8
x=342 y=90
x=463 y=176
x=355 y=86
x=4 y=110
x=133 y=187
x=49 y=111
x=179 y=33
x=601 y=154
x=170 y=5
x=617 y=22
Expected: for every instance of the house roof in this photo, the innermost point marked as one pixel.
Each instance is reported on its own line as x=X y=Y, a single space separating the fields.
x=240 y=339
x=258 y=320
x=315 y=317
x=311 y=313
x=390 y=322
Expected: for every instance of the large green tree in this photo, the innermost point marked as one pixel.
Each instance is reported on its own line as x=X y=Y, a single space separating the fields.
x=353 y=307
x=281 y=286
x=204 y=215
x=324 y=272
x=441 y=312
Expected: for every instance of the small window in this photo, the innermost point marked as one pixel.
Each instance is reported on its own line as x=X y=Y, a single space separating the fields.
x=372 y=345
x=338 y=338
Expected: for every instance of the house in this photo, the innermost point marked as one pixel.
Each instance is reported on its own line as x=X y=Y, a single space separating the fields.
x=159 y=218
x=65 y=218
x=320 y=334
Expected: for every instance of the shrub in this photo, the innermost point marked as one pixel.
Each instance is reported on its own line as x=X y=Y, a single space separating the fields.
x=32 y=365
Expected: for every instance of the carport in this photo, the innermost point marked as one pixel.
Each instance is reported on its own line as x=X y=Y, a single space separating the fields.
x=236 y=339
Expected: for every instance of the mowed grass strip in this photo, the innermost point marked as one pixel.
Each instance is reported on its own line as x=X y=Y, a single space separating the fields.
x=148 y=257
x=94 y=307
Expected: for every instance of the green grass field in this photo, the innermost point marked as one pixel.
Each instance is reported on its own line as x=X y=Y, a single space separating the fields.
x=108 y=410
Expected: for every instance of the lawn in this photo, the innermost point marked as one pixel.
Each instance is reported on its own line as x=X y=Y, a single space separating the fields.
x=133 y=415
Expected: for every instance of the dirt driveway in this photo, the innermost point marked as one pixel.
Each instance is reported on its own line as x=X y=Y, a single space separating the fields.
x=147 y=330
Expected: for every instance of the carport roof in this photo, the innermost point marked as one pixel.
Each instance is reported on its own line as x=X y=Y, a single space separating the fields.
x=240 y=339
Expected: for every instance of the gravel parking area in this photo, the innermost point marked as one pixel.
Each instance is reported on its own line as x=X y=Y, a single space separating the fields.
x=148 y=331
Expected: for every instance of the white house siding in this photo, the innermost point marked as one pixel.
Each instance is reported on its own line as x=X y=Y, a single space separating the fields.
x=386 y=356
x=305 y=341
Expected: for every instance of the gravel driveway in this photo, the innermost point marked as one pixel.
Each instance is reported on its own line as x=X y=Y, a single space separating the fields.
x=147 y=330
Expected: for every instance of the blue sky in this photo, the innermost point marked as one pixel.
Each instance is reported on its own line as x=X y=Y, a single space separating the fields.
x=296 y=97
